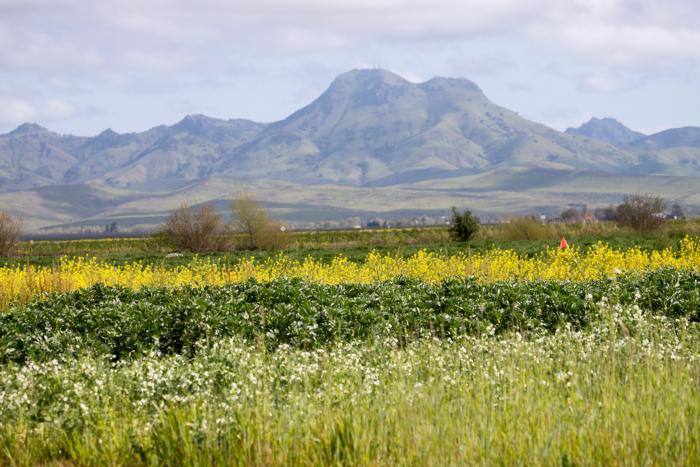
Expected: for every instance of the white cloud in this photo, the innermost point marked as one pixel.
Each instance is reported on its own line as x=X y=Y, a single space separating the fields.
x=167 y=35
x=14 y=111
x=55 y=109
x=107 y=52
x=632 y=44
x=602 y=83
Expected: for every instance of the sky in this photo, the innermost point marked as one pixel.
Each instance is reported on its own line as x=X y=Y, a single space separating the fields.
x=81 y=66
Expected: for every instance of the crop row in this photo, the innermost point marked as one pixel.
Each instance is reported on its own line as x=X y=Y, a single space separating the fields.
x=21 y=284
x=121 y=323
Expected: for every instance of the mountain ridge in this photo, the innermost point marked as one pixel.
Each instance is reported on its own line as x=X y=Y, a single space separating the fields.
x=369 y=129
x=607 y=129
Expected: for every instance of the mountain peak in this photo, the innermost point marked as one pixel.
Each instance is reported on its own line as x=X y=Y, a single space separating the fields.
x=369 y=75
x=108 y=133
x=29 y=128
x=196 y=118
x=452 y=83
x=195 y=124
x=607 y=129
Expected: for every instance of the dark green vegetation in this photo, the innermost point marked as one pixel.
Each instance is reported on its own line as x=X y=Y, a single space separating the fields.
x=121 y=323
x=463 y=225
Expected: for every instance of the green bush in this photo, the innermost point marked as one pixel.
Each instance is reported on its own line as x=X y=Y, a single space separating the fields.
x=463 y=225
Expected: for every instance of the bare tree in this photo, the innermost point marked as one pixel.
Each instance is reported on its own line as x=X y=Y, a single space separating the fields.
x=197 y=231
x=10 y=229
x=571 y=216
x=643 y=213
x=251 y=219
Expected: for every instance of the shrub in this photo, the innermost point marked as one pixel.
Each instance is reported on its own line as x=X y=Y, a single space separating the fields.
x=677 y=212
x=571 y=215
x=10 y=229
x=463 y=226
x=608 y=213
x=200 y=231
x=643 y=213
x=259 y=231
x=526 y=228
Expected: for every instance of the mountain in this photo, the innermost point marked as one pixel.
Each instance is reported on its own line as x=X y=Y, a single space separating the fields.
x=675 y=151
x=372 y=138
x=371 y=126
x=687 y=137
x=32 y=156
x=606 y=129
x=182 y=152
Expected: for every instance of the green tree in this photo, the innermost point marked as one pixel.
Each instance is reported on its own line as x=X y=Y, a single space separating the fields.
x=464 y=225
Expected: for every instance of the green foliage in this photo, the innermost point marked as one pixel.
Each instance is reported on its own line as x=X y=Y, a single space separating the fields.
x=463 y=226
x=121 y=323
x=296 y=373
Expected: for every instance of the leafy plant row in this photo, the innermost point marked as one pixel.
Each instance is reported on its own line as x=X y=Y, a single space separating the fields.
x=120 y=323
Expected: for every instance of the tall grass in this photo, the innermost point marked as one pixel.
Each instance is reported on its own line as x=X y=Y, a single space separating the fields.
x=529 y=228
x=627 y=392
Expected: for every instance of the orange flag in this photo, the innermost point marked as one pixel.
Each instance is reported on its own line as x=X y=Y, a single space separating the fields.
x=563 y=245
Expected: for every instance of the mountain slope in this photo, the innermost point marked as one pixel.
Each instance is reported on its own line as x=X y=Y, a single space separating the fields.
x=675 y=151
x=606 y=129
x=371 y=125
x=372 y=141
x=182 y=152
x=686 y=137
x=32 y=156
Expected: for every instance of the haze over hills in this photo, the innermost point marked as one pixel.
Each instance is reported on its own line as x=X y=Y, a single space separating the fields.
x=372 y=141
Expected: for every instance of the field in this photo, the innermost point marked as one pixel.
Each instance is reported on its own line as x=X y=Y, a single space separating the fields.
x=354 y=348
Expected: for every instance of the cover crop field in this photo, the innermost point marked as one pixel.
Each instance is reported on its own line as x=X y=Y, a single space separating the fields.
x=576 y=357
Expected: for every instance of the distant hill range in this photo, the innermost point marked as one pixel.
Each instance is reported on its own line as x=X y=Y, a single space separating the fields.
x=607 y=129
x=372 y=143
